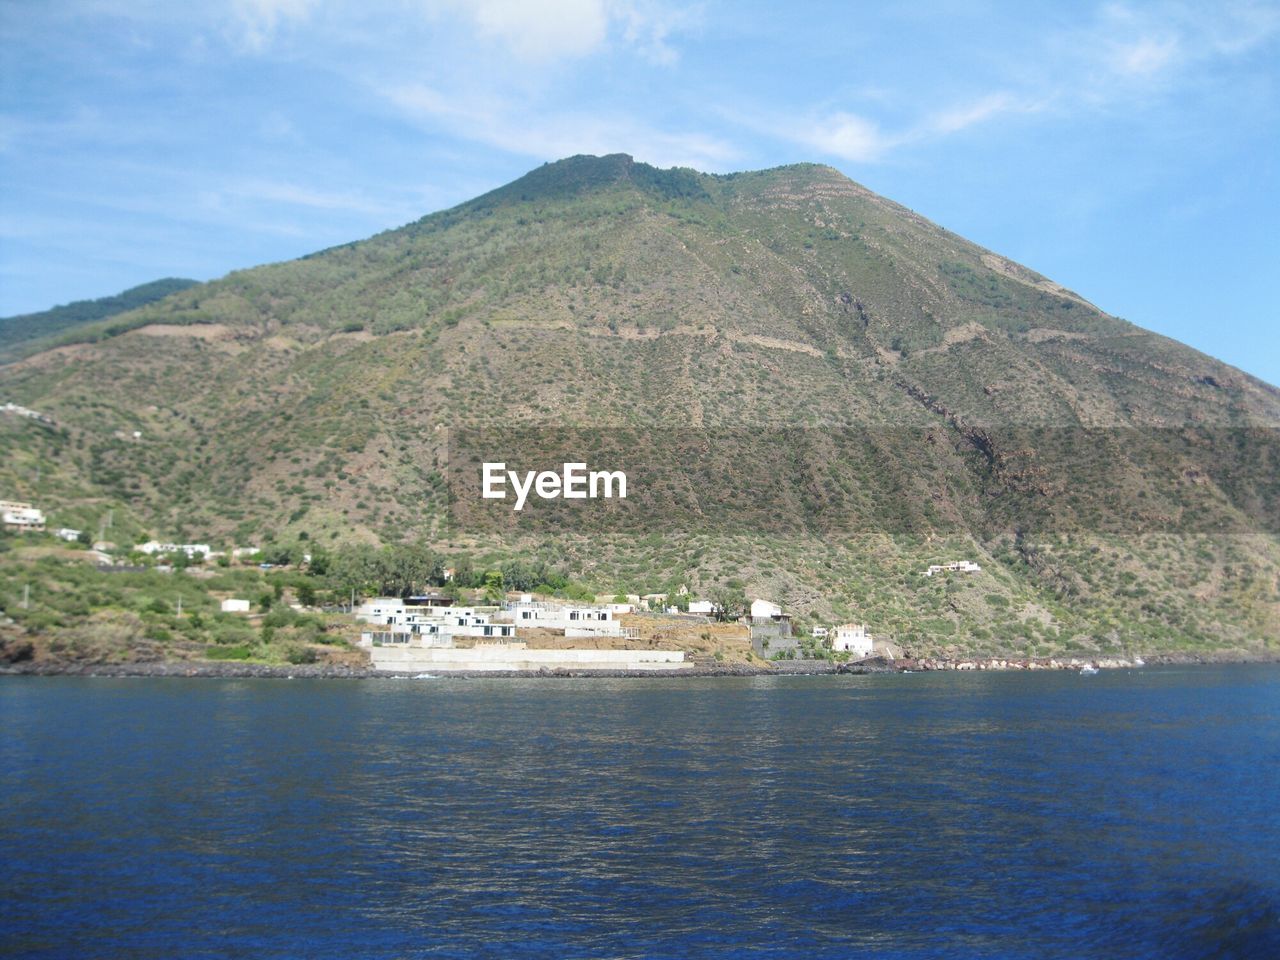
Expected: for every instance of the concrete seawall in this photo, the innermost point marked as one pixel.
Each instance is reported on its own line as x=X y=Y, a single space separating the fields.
x=502 y=657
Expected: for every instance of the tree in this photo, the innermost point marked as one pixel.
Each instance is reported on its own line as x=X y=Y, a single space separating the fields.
x=731 y=603
x=464 y=573
x=493 y=587
x=404 y=569
x=320 y=560
x=354 y=568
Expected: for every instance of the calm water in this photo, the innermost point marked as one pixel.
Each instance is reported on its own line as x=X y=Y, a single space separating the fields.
x=1128 y=814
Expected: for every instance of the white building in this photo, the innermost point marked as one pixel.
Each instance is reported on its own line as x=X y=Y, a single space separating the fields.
x=705 y=607
x=575 y=620
x=67 y=534
x=22 y=411
x=955 y=566
x=820 y=633
x=764 y=610
x=18 y=515
x=152 y=547
x=234 y=605
x=852 y=638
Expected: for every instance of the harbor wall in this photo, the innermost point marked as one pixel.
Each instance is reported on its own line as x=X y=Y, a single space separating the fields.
x=517 y=657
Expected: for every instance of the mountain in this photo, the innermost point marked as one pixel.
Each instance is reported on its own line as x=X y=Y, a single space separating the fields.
x=27 y=327
x=816 y=391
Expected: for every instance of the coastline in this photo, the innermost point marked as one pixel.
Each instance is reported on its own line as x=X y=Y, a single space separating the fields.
x=192 y=669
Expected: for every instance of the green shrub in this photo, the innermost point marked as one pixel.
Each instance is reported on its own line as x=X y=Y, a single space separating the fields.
x=300 y=654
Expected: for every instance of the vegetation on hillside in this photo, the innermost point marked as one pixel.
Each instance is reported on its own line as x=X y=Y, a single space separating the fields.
x=24 y=328
x=822 y=391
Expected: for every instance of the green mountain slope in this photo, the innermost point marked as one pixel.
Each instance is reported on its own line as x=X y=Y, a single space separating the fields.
x=25 y=328
x=827 y=392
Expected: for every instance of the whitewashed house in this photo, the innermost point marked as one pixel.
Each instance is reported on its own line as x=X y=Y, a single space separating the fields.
x=852 y=638
x=152 y=547
x=574 y=620
x=19 y=515
x=22 y=411
x=235 y=605
x=704 y=607
x=955 y=566
x=67 y=534
x=764 y=610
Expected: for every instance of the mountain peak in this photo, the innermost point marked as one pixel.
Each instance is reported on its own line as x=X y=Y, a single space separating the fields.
x=585 y=173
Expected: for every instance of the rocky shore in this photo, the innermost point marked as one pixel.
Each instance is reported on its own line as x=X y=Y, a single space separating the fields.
x=230 y=670
x=1080 y=663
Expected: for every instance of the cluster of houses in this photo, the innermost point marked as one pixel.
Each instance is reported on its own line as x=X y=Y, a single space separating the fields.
x=433 y=621
x=428 y=620
x=23 y=517
x=421 y=633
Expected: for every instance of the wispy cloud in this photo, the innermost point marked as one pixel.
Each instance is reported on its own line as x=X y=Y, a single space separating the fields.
x=1144 y=56
x=841 y=134
x=298 y=195
x=540 y=31
x=1130 y=50
x=255 y=22
x=1126 y=54
x=978 y=111
x=526 y=130
x=862 y=139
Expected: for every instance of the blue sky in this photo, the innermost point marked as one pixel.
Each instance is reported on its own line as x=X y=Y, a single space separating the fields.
x=1127 y=150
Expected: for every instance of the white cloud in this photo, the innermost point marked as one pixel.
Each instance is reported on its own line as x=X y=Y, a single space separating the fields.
x=524 y=130
x=843 y=135
x=540 y=31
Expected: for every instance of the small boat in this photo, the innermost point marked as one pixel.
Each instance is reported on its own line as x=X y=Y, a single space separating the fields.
x=1088 y=669
x=1139 y=662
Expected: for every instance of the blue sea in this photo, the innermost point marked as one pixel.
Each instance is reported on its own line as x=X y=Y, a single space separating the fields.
x=1129 y=814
